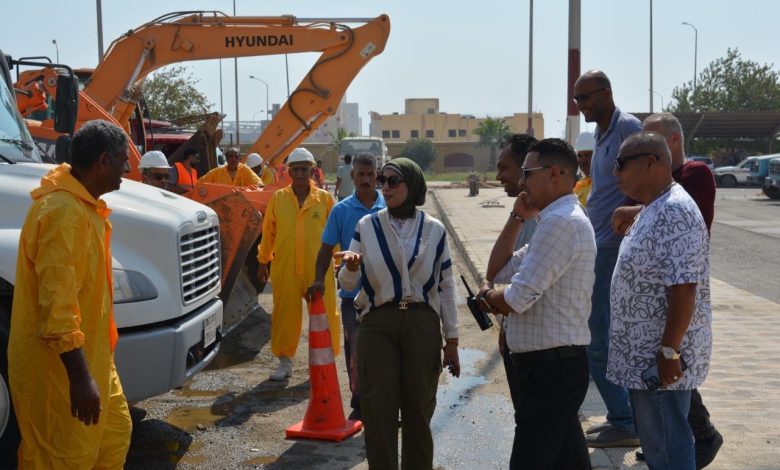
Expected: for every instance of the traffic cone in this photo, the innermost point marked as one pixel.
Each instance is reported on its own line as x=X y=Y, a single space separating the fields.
x=324 y=417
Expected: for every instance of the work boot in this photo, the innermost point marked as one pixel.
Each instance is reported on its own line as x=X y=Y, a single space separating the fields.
x=284 y=369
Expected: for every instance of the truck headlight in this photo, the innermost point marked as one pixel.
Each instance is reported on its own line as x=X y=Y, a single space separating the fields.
x=132 y=286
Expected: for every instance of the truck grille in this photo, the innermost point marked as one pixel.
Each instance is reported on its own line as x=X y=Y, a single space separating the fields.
x=199 y=254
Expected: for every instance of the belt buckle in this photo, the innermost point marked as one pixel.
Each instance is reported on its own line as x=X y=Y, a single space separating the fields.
x=403 y=305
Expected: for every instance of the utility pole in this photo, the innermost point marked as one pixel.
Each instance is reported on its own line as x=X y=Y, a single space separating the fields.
x=572 y=114
x=695 y=51
x=530 y=130
x=100 y=30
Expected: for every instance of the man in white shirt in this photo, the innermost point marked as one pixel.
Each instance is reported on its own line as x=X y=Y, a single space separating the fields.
x=548 y=304
x=344 y=184
x=660 y=329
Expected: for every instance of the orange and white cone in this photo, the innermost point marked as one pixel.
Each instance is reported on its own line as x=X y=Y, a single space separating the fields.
x=324 y=417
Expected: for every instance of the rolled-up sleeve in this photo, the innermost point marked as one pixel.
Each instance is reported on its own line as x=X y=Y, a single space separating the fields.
x=547 y=258
x=504 y=275
x=54 y=257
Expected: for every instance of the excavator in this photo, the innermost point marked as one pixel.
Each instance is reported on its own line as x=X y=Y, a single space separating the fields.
x=113 y=90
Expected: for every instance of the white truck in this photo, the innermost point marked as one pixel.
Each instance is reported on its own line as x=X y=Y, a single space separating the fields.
x=357 y=145
x=731 y=176
x=166 y=267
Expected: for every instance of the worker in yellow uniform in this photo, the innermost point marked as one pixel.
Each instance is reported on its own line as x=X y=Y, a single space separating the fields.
x=584 y=147
x=292 y=234
x=69 y=403
x=232 y=174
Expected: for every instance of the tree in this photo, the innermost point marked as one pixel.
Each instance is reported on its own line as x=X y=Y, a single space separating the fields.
x=421 y=151
x=336 y=139
x=729 y=84
x=491 y=133
x=171 y=93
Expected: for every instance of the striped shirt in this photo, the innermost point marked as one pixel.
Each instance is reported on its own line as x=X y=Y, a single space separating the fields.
x=551 y=281
x=390 y=272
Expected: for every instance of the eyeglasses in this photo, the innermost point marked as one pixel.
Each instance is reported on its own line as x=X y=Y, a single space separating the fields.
x=528 y=171
x=620 y=162
x=584 y=96
x=158 y=176
x=392 y=181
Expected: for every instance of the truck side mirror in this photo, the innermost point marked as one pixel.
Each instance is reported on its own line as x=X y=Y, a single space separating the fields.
x=67 y=105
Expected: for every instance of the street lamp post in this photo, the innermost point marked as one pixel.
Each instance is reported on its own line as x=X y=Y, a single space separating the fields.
x=267 y=109
x=54 y=41
x=695 y=50
x=662 y=99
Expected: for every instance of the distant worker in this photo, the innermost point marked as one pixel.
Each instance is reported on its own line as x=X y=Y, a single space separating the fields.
x=344 y=184
x=155 y=169
x=292 y=234
x=183 y=173
x=584 y=147
x=232 y=174
x=339 y=231
x=318 y=175
x=68 y=400
x=255 y=163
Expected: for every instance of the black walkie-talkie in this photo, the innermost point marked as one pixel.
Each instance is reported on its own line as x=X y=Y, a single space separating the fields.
x=483 y=319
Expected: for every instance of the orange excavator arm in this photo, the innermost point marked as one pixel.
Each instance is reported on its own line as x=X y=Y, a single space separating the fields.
x=186 y=36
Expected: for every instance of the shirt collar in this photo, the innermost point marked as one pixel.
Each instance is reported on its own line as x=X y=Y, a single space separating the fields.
x=615 y=116
x=562 y=201
x=379 y=202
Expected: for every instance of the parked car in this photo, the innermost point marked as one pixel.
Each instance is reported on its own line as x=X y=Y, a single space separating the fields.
x=706 y=160
x=731 y=176
x=772 y=182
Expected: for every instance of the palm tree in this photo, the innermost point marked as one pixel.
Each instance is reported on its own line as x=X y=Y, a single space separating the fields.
x=492 y=132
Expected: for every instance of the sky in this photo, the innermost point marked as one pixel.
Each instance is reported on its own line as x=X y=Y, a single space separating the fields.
x=473 y=56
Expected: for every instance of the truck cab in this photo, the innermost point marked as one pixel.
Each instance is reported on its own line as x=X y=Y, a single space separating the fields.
x=772 y=182
x=166 y=268
x=759 y=169
x=357 y=145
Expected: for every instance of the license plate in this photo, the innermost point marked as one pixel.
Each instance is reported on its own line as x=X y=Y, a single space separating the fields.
x=209 y=330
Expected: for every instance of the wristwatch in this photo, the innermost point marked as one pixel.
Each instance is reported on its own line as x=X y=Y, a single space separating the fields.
x=670 y=353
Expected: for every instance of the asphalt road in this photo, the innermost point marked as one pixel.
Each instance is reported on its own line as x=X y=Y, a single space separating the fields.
x=745 y=244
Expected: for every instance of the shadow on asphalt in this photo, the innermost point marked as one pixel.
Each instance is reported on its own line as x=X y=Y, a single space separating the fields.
x=155 y=444
x=320 y=454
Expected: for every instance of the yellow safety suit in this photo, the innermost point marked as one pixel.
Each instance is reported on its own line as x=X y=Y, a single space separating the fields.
x=244 y=177
x=582 y=189
x=63 y=301
x=268 y=176
x=291 y=238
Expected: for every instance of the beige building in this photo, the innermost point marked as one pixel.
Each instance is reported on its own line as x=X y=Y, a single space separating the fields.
x=423 y=120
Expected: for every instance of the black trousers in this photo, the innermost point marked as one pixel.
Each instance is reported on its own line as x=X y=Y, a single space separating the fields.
x=699 y=418
x=548 y=434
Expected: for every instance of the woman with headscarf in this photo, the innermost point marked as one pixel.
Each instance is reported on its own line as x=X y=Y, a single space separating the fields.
x=400 y=260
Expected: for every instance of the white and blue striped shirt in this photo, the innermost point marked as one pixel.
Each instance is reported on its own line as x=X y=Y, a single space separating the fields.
x=389 y=272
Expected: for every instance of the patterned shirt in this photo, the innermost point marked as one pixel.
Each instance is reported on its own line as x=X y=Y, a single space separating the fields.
x=667 y=245
x=551 y=281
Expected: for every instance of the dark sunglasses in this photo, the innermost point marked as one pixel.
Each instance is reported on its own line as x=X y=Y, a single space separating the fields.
x=584 y=96
x=392 y=181
x=620 y=162
x=159 y=176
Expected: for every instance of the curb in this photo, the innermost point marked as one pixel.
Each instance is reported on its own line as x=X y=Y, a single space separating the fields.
x=453 y=234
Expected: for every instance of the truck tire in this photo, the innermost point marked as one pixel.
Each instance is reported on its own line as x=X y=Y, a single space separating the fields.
x=728 y=181
x=10 y=437
x=771 y=192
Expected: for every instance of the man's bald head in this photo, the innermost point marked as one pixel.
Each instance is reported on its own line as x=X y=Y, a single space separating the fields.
x=668 y=126
x=596 y=77
x=647 y=142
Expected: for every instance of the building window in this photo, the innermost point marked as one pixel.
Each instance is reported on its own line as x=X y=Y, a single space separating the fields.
x=396 y=134
x=385 y=134
x=430 y=110
x=415 y=134
x=451 y=133
x=461 y=132
x=429 y=134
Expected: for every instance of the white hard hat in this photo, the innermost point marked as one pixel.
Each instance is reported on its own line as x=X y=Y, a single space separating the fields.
x=253 y=160
x=153 y=159
x=585 y=141
x=301 y=155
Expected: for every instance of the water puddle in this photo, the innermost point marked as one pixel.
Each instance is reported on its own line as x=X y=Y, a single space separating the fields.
x=456 y=391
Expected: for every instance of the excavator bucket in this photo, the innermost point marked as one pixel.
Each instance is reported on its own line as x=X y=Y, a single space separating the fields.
x=239 y=229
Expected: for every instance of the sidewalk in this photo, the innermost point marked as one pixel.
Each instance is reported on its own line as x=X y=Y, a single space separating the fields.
x=742 y=391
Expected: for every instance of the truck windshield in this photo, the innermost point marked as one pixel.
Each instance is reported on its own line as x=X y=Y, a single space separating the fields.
x=16 y=145
x=355 y=147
